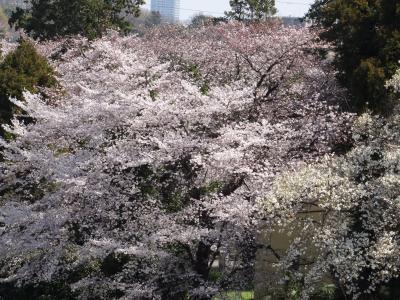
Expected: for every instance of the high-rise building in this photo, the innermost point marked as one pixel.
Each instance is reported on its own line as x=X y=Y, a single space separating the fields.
x=168 y=9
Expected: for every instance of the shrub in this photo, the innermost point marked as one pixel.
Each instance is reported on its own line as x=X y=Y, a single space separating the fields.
x=22 y=69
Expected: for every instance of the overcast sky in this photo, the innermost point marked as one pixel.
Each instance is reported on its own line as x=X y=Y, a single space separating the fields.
x=295 y=8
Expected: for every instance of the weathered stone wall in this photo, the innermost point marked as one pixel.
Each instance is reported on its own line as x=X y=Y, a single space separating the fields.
x=267 y=285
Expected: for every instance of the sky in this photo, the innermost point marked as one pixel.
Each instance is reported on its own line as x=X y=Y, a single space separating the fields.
x=188 y=8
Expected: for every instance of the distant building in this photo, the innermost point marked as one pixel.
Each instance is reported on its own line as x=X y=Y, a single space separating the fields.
x=168 y=9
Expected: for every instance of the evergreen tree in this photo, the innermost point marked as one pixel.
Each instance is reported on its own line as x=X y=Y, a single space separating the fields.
x=246 y=10
x=47 y=19
x=366 y=36
x=22 y=69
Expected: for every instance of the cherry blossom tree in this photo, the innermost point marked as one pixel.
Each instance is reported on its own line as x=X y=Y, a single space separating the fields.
x=143 y=178
x=346 y=209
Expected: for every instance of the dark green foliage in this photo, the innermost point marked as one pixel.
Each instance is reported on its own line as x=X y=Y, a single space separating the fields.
x=172 y=184
x=251 y=10
x=114 y=263
x=48 y=19
x=22 y=69
x=366 y=36
x=153 y=94
x=194 y=73
x=200 y=20
x=59 y=289
x=205 y=89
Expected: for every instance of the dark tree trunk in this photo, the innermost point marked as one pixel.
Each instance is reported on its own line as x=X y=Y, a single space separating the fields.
x=202 y=259
x=202 y=266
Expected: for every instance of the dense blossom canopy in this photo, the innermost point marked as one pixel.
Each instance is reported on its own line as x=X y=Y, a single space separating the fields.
x=150 y=167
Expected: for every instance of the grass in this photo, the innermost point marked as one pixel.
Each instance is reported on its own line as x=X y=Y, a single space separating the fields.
x=246 y=295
